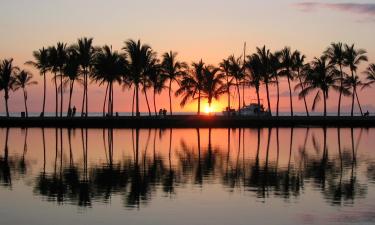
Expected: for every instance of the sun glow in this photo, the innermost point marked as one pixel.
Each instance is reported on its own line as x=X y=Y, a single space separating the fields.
x=209 y=109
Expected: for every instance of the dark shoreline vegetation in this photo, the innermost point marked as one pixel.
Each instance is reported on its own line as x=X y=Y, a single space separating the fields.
x=190 y=121
x=138 y=69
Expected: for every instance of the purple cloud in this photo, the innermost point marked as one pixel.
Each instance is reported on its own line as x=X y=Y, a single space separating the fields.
x=367 y=9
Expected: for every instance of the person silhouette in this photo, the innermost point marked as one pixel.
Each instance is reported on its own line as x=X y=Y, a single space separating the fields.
x=74 y=111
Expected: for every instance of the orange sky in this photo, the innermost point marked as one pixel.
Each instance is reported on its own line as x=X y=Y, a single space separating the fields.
x=205 y=29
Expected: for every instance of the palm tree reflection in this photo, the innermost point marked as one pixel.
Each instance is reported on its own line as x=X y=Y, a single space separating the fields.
x=140 y=177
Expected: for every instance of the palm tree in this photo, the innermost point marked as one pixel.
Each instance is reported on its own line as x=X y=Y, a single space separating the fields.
x=212 y=85
x=173 y=70
x=61 y=60
x=254 y=67
x=353 y=82
x=336 y=55
x=138 y=60
x=275 y=66
x=22 y=80
x=71 y=73
x=236 y=69
x=287 y=63
x=53 y=67
x=191 y=85
x=7 y=74
x=298 y=65
x=370 y=72
x=225 y=69
x=42 y=64
x=109 y=67
x=321 y=76
x=263 y=55
x=353 y=57
x=86 y=53
x=156 y=81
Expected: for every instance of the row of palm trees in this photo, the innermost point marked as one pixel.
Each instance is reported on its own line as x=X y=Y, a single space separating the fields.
x=138 y=68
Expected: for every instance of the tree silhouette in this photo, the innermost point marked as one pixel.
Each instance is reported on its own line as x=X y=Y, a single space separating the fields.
x=172 y=70
x=336 y=55
x=7 y=74
x=42 y=64
x=22 y=80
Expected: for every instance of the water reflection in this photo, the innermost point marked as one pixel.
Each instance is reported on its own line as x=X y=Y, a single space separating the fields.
x=82 y=166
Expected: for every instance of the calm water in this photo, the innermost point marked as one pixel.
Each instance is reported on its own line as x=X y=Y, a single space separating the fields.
x=187 y=176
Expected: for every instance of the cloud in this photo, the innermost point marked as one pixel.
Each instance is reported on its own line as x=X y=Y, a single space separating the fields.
x=364 y=9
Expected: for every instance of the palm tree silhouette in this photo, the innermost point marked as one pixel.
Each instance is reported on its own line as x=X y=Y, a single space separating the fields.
x=287 y=63
x=42 y=64
x=370 y=72
x=191 y=85
x=225 y=68
x=212 y=85
x=61 y=60
x=237 y=71
x=7 y=74
x=254 y=66
x=22 y=80
x=275 y=66
x=298 y=65
x=109 y=66
x=353 y=57
x=336 y=55
x=53 y=67
x=139 y=57
x=321 y=76
x=172 y=70
x=86 y=53
x=72 y=74
x=156 y=80
x=263 y=55
x=353 y=82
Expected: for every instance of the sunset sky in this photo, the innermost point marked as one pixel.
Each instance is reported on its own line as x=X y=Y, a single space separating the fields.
x=197 y=29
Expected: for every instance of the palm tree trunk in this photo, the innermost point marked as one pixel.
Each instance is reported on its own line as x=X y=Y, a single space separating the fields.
x=304 y=97
x=56 y=96
x=6 y=97
x=70 y=95
x=112 y=99
x=87 y=96
x=352 y=111
x=340 y=95
x=44 y=93
x=258 y=98
x=109 y=99
x=25 y=99
x=137 y=113
x=291 y=100
x=278 y=95
x=170 y=96
x=239 y=96
x=61 y=94
x=199 y=102
x=148 y=105
x=243 y=95
x=105 y=99
x=359 y=104
x=133 y=102
x=84 y=92
x=228 y=93
x=268 y=99
x=154 y=99
x=325 y=103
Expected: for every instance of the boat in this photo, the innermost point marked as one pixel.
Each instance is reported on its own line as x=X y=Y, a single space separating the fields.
x=254 y=109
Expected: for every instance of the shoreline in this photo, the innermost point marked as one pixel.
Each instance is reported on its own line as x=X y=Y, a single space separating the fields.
x=189 y=121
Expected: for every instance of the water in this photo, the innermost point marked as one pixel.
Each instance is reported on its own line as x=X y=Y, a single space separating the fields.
x=187 y=176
